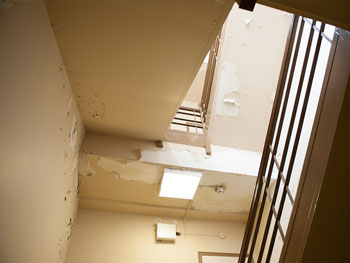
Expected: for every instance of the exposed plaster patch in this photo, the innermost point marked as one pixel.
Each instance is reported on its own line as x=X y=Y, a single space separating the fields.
x=227 y=100
x=94 y=105
x=132 y=170
x=69 y=229
x=63 y=241
x=138 y=153
x=75 y=163
x=84 y=166
x=232 y=98
x=73 y=134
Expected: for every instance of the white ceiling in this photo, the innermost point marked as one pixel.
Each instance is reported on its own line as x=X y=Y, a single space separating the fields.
x=112 y=184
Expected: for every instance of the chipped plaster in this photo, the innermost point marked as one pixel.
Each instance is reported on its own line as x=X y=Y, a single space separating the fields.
x=85 y=168
x=228 y=93
x=115 y=179
x=222 y=159
x=48 y=129
x=132 y=170
x=247 y=71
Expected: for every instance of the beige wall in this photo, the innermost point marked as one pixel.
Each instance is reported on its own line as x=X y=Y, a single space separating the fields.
x=40 y=134
x=194 y=94
x=248 y=68
x=126 y=238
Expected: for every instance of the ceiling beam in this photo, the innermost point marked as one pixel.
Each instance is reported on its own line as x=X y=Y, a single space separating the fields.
x=246 y=4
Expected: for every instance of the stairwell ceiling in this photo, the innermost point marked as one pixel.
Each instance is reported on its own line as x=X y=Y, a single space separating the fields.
x=130 y=63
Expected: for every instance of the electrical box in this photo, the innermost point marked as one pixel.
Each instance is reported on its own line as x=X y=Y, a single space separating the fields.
x=166 y=232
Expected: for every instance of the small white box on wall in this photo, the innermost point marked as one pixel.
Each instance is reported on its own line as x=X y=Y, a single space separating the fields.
x=166 y=232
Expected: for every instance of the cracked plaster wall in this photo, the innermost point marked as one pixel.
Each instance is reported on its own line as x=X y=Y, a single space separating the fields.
x=41 y=133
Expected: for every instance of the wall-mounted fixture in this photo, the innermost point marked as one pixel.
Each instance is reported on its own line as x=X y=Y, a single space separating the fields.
x=220 y=188
x=166 y=232
x=179 y=183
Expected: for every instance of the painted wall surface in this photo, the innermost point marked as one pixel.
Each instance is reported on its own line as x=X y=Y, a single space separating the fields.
x=247 y=72
x=41 y=131
x=125 y=238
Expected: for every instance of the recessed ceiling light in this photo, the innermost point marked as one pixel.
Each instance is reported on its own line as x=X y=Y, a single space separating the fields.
x=179 y=184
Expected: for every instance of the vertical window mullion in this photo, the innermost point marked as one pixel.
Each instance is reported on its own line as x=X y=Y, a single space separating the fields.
x=297 y=136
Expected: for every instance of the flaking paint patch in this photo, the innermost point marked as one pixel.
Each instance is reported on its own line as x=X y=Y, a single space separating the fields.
x=132 y=170
x=223 y=159
x=138 y=153
x=85 y=168
x=228 y=96
x=75 y=163
x=233 y=99
x=73 y=134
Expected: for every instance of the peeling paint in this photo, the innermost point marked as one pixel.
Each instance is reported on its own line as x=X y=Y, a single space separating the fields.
x=227 y=100
x=84 y=166
x=132 y=170
x=223 y=159
x=69 y=229
x=73 y=134
x=93 y=104
x=75 y=163
x=138 y=153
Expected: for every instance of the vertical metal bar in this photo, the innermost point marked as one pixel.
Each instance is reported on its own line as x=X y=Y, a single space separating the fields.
x=286 y=145
x=278 y=133
x=209 y=76
x=297 y=138
x=195 y=121
x=264 y=160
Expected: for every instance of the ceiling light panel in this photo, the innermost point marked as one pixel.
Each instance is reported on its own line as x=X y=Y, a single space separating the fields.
x=179 y=184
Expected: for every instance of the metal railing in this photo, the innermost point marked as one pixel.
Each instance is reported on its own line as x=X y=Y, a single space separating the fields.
x=209 y=77
x=190 y=118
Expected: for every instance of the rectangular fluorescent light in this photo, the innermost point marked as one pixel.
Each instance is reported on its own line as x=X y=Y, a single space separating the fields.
x=179 y=184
